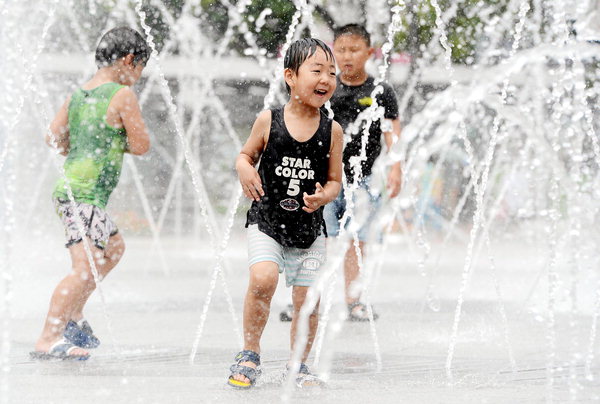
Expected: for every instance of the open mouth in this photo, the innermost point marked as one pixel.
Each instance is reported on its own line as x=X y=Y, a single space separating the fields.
x=321 y=92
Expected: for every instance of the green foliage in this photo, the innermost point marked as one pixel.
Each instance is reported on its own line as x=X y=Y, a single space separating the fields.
x=270 y=36
x=463 y=30
x=157 y=22
x=213 y=17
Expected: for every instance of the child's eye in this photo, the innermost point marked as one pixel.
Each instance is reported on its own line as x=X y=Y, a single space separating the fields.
x=316 y=71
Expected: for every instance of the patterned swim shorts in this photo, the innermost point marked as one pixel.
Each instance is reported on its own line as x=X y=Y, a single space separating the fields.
x=96 y=223
x=301 y=265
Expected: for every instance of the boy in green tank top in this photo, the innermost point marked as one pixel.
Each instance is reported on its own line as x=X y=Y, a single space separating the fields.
x=94 y=127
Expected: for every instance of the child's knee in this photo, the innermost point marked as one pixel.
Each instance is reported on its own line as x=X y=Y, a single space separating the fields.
x=299 y=302
x=115 y=248
x=263 y=279
x=115 y=256
x=118 y=251
x=264 y=289
x=314 y=314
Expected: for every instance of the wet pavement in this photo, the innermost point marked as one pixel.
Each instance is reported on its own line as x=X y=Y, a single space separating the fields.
x=150 y=319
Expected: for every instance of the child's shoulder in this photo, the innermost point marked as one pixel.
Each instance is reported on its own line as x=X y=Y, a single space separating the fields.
x=122 y=97
x=387 y=91
x=337 y=135
x=264 y=117
x=335 y=126
x=262 y=124
x=336 y=129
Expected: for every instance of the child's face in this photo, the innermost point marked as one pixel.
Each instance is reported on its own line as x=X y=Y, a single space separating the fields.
x=351 y=53
x=314 y=83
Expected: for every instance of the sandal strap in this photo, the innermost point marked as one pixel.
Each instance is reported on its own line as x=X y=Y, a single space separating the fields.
x=250 y=373
x=62 y=347
x=247 y=371
x=248 y=356
x=351 y=306
x=303 y=370
x=304 y=376
x=360 y=314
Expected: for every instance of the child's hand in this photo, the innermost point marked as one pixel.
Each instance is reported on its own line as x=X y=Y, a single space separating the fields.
x=314 y=201
x=251 y=183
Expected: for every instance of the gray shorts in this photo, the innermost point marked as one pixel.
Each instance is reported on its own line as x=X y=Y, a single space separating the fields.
x=301 y=265
x=96 y=223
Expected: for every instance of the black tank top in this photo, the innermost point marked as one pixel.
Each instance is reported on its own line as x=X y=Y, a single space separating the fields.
x=288 y=168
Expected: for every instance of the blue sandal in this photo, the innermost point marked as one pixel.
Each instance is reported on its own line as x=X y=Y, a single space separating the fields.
x=305 y=378
x=60 y=350
x=361 y=314
x=238 y=369
x=81 y=335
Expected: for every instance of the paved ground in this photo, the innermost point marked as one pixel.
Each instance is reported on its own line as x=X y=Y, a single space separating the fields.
x=150 y=319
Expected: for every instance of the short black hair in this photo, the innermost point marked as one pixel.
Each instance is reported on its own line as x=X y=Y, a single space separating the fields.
x=302 y=49
x=120 y=42
x=353 y=29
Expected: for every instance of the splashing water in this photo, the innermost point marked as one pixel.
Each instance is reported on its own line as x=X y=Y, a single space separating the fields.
x=517 y=140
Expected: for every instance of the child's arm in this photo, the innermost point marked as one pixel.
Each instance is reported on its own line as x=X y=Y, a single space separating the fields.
x=394 y=180
x=250 y=154
x=326 y=194
x=138 y=140
x=58 y=135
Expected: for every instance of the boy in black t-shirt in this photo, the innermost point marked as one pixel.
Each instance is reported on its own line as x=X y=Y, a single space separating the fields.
x=350 y=103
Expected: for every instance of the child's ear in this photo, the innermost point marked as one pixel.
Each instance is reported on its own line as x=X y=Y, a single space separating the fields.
x=128 y=60
x=289 y=77
x=371 y=51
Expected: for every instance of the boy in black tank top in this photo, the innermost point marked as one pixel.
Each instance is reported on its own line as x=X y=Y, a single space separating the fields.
x=355 y=94
x=300 y=152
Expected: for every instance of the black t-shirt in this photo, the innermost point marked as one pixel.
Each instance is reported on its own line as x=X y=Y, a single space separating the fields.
x=288 y=168
x=347 y=103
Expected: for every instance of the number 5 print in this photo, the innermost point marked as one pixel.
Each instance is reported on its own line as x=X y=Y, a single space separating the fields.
x=294 y=187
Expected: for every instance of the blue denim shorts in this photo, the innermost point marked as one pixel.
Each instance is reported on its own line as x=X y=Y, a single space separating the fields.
x=366 y=207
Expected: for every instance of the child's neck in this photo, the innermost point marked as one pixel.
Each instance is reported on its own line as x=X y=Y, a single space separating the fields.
x=297 y=107
x=105 y=75
x=356 y=79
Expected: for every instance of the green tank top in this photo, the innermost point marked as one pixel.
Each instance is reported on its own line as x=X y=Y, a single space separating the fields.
x=95 y=158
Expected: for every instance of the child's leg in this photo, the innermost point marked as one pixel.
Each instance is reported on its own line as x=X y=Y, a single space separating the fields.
x=69 y=294
x=263 y=282
x=351 y=260
x=115 y=248
x=352 y=271
x=261 y=287
x=298 y=299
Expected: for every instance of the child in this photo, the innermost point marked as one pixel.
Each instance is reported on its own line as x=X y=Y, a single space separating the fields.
x=300 y=171
x=352 y=49
x=94 y=127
